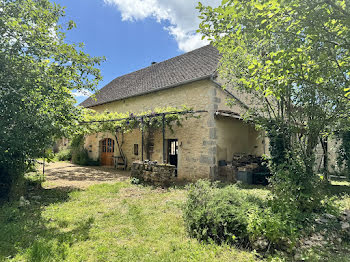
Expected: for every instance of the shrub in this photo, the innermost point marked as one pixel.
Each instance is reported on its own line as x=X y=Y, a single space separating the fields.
x=295 y=189
x=278 y=228
x=230 y=215
x=80 y=157
x=217 y=214
x=64 y=155
x=34 y=179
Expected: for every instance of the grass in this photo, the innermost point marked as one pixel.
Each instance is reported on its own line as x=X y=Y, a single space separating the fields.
x=106 y=222
x=341 y=189
x=113 y=222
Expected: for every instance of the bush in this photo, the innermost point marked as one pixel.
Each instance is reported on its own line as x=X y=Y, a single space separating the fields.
x=80 y=157
x=295 y=189
x=278 y=229
x=229 y=215
x=217 y=214
x=64 y=155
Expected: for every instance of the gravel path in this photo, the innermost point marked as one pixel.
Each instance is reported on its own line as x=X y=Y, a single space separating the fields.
x=64 y=174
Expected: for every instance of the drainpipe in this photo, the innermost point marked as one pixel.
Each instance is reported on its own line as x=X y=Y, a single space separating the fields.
x=142 y=137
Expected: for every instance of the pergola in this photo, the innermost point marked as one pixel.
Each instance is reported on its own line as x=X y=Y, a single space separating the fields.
x=141 y=118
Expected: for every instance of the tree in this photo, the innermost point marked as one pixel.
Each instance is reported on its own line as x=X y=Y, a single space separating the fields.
x=293 y=57
x=38 y=72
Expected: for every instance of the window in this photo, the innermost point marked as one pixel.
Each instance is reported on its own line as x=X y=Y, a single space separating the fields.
x=108 y=145
x=136 y=149
x=174 y=145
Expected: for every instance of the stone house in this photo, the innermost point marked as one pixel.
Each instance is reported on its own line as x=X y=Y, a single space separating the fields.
x=197 y=147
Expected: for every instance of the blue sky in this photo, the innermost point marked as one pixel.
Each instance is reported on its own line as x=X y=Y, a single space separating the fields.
x=133 y=33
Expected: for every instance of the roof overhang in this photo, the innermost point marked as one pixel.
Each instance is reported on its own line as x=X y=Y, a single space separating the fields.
x=227 y=113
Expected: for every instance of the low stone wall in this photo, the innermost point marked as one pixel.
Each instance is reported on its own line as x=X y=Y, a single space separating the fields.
x=153 y=173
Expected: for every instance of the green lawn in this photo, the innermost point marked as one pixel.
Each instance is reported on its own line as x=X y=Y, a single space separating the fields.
x=109 y=222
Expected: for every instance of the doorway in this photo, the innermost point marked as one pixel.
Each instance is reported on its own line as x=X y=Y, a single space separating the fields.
x=173 y=151
x=107 y=152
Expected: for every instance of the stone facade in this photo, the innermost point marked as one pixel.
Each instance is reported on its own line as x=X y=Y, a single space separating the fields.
x=201 y=142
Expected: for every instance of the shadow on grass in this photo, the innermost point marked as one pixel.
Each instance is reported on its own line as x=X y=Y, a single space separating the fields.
x=90 y=173
x=25 y=232
x=183 y=185
x=338 y=190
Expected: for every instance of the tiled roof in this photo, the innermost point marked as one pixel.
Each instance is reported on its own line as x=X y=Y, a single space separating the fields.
x=197 y=64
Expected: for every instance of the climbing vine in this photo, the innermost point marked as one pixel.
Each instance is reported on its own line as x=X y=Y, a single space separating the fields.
x=93 y=122
x=116 y=123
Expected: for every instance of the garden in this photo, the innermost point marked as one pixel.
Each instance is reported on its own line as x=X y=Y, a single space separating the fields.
x=115 y=220
x=296 y=72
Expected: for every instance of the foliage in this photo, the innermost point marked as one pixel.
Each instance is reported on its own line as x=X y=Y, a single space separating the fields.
x=293 y=58
x=93 y=122
x=38 y=72
x=343 y=156
x=221 y=217
x=106 y=222
x=34 y=179
x=80 y=155
x=230 y=215
x=280 y=142
x=294 y=189
x=64 y=155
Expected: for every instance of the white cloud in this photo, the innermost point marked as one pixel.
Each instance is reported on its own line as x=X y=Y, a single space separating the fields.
x=81 y=93
x=181 y=14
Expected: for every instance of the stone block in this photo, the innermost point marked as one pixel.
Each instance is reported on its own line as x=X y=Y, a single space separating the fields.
x=212 y=133
x=209 y=142
x=205 y=159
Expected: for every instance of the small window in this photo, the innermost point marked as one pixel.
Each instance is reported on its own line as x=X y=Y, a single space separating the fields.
x=174 y=148
x=136 y=149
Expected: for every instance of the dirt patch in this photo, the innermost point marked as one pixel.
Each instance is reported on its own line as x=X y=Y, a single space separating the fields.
x=64 y=174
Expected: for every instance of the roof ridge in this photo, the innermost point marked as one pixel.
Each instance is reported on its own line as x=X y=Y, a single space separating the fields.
x=158 y=63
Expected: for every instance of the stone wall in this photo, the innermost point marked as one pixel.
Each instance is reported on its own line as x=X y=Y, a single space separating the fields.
x=201 y=141
x=153 y=173
x=196 y=137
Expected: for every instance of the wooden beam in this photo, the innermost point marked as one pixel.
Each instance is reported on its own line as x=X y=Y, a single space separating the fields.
x=148 y=115
x=163 y=129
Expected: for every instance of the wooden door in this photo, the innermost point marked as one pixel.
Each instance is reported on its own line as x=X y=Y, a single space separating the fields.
x=107 y=152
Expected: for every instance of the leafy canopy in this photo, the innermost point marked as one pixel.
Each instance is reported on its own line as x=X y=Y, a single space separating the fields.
x=38 y=72
x=293 y=56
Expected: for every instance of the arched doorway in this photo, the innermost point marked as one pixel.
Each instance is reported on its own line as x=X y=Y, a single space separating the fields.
x=107 y=152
